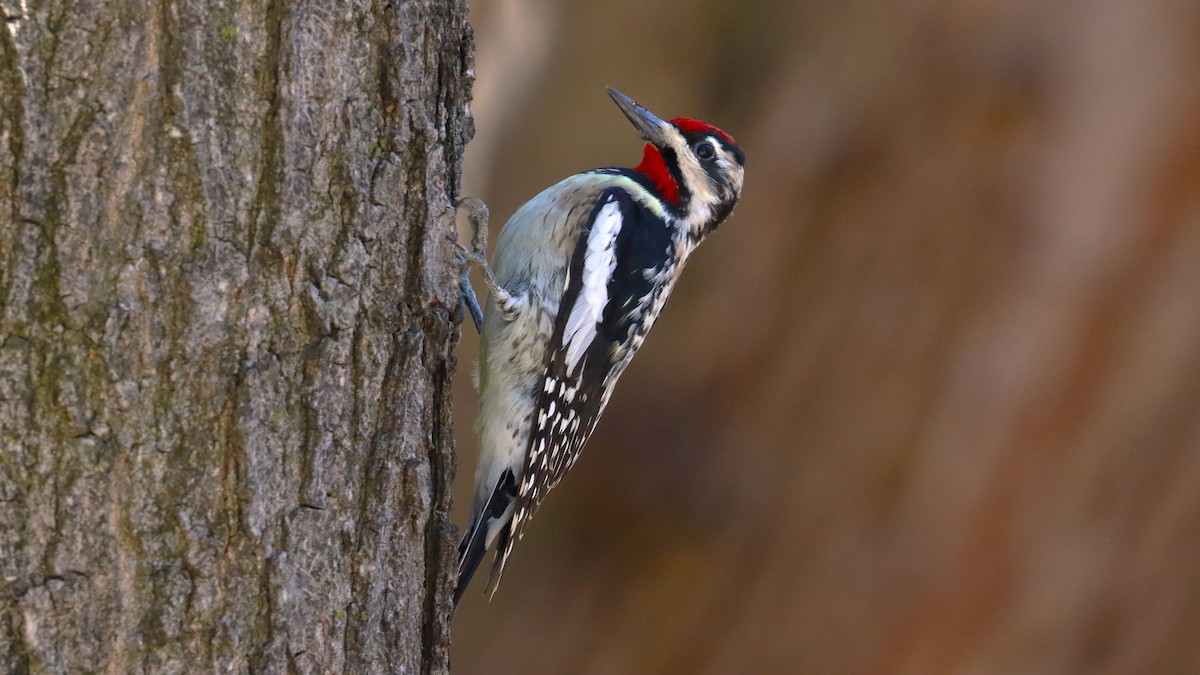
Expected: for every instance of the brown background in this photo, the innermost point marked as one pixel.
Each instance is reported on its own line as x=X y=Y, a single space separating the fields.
x=930 y=401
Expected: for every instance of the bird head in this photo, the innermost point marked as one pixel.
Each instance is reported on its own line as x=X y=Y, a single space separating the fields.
x=696 y=167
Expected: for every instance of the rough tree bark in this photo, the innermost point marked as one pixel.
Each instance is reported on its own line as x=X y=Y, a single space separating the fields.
x=226 y=321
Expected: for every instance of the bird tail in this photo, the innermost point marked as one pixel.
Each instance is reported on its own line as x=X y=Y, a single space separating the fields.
x=475 y=542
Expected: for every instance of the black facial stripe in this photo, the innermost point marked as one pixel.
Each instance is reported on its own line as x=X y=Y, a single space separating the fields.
x=721 y=213
x=737 y=154
x=733 y=150
x=672 y=162
x=719 y=141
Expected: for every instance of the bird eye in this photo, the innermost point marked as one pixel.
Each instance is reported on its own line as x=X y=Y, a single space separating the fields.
x=705 y=150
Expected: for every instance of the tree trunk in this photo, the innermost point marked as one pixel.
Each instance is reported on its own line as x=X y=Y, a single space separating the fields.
x=226 y=319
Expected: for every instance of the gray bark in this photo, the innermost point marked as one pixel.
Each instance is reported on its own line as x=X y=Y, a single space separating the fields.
x=227 y=309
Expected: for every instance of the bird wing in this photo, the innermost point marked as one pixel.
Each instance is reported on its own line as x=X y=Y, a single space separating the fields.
x=617 y=272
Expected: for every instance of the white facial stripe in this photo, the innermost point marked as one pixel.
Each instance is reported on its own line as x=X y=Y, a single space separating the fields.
x=704 y=194
x=729 y=165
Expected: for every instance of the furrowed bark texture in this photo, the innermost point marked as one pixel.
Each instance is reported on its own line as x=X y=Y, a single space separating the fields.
x=225 y=334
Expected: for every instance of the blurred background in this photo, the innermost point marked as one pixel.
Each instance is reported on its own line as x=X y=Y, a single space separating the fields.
x=930 y=401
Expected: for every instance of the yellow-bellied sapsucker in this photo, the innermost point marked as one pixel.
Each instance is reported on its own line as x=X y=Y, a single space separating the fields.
x=579 y=275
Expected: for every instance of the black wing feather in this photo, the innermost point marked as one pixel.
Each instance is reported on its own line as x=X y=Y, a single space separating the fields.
x=570 y=403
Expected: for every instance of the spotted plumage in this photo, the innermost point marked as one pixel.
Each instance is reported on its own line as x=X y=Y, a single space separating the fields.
x=579 y=275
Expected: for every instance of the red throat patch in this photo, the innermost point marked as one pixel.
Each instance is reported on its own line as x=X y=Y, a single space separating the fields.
x=654 y=167
x=696 y=126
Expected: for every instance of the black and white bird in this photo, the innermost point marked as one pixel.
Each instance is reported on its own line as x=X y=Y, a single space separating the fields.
x=579 y=275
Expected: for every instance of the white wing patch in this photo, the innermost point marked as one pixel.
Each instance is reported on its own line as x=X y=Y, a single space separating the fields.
x=598 y=264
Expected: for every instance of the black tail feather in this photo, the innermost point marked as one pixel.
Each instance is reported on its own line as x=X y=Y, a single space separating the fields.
x=470 y=554
x=501 y=544
x=473 y=546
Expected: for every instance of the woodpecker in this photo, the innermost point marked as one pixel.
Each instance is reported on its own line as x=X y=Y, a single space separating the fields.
x=579 y=275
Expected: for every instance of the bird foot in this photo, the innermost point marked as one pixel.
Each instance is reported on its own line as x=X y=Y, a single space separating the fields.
x=508 y=303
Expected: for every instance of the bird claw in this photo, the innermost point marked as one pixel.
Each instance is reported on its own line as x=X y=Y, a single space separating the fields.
x=508 y=303
x=467 y=300
x=468 y=257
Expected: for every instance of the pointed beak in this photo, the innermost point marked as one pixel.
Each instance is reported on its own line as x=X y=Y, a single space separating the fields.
x=647 y=123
